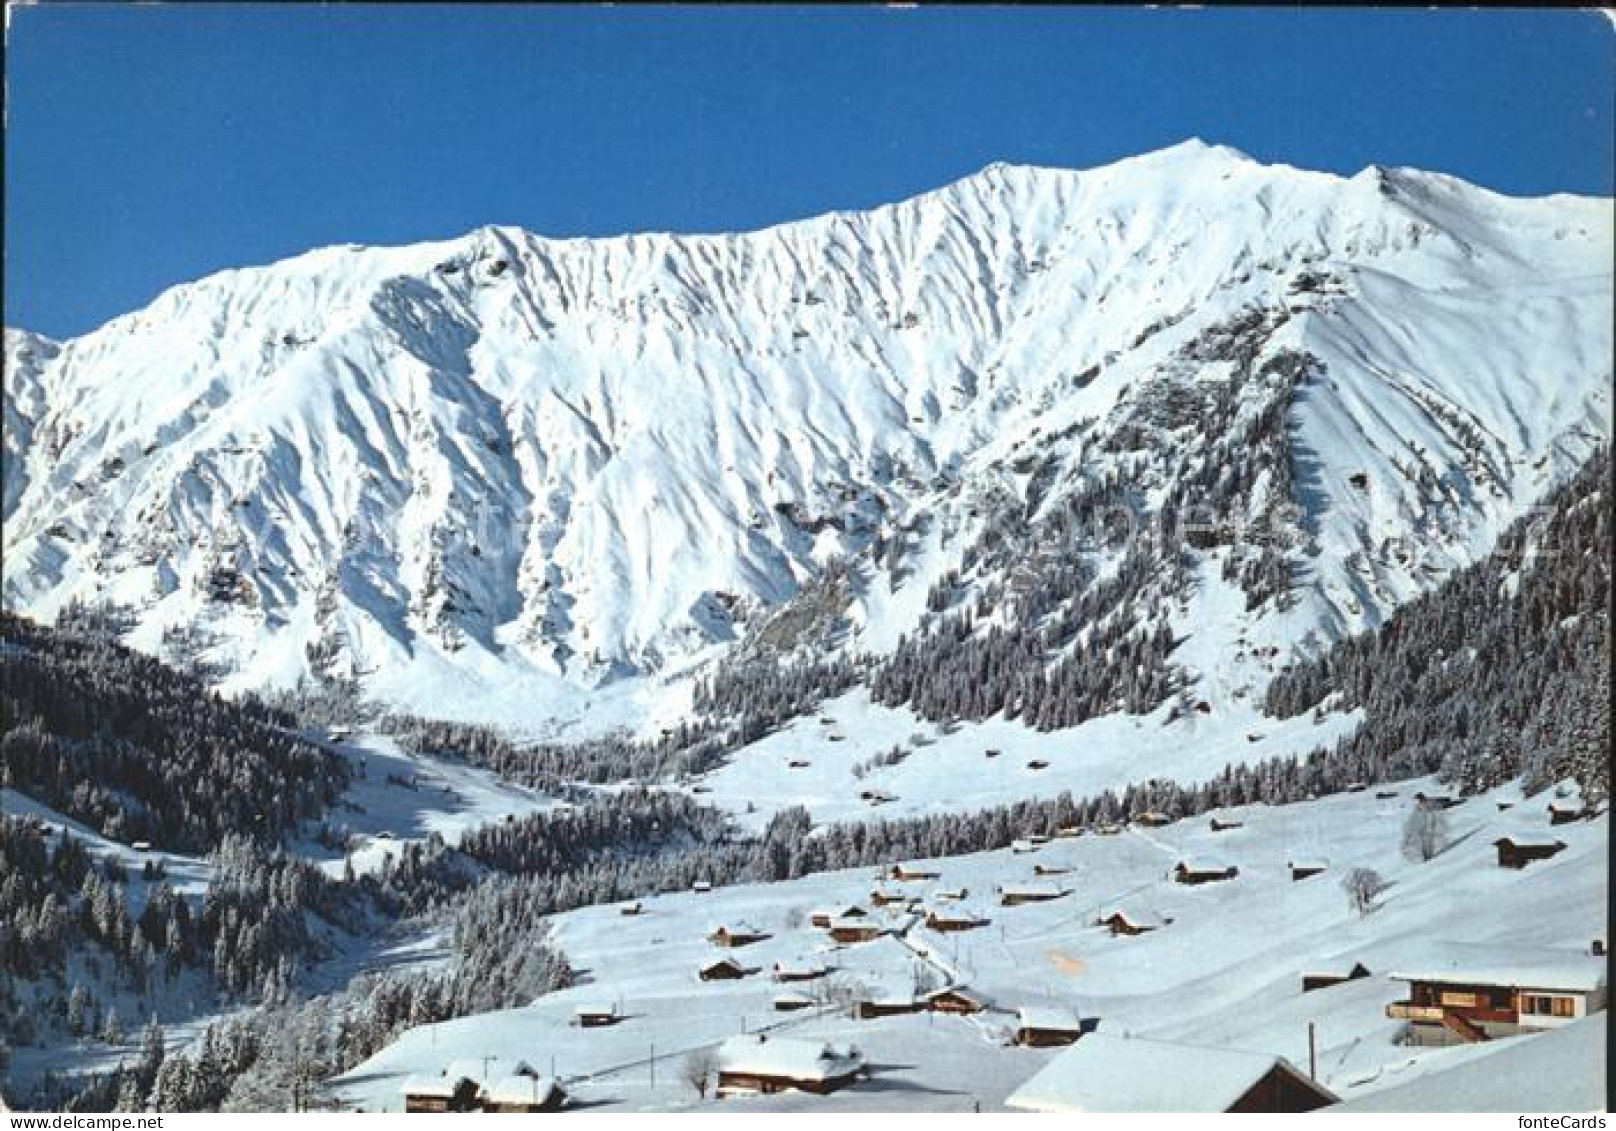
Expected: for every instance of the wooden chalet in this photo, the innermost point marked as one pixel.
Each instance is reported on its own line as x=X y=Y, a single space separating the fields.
x=1385 y=794
x=736 y=934
x=1192 y=871
x=956 y=918
x=878 y=1002
x=597 y=1015
x=758 y=1063
x=799 y=970
x=1109 y=829
x=1565 y=812
x=1303 y=869
x=791 y=1002
x=1469 y=994
x=822 y=916
x=1435 y=800
x=523 y=1092
x=1519 y=849
x=702 y=886
x=1070 y=832
x=1014 y=895
x=1050 y=870
x=881 y=897
x=951 y=895
x=855 y=930
x=1106 y=1073
x=1122 y=921
x=444 y=1093
x=723 y=970
x=954 y=999
x=1038 y=764
x=1322 y=975
x=1224 y=824
x=1042 y=1027
x=633 y=908
x=798 y=764
x=906 y=873
x=1152 y=819
x=1022 y=846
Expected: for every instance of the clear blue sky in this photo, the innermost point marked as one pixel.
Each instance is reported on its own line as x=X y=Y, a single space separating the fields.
x=151 y=145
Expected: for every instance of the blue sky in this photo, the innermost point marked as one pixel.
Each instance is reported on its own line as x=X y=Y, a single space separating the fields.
x=154 y=144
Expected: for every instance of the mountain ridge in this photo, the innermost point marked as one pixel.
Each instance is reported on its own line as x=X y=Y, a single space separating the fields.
x=667 y=436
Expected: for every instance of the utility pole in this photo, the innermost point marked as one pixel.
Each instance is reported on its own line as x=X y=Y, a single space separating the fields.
x=653 y=1065
x=1312 y=1053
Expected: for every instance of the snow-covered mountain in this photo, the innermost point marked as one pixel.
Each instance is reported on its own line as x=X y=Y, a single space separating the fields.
x=484 y=473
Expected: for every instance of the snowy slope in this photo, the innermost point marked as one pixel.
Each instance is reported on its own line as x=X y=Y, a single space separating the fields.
x=1225 y=971
x=485 y=473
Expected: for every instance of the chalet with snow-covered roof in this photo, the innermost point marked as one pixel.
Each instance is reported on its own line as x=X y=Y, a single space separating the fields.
x=1435 y=800
x=1014 y=895
x=1109 y=829
x=702 y=886
x=1201 y=871
x=597 y=1015
x=1303 y=869
x=1332 y=972
x=955 y=918
x=437 y=1094
x=1070 y=832
x=1564 y=812
x=1129 y=922
x=1517 y=850
x=723 y=970
x=791 y=1002
x=906 y=873
x=633 y=908
x=520 y=1092
x=1107 y=1073
x=1152 y=819
x=855 y=930
x=1037 y=764
x=878 y=1001
x=736 y=934
x=822 y=916
x=1221 y=824
x=1050 y=870
x=1022 y=846
x=1042 y=1026
x=758 y=1063
x=1465 y=993
x=799 y=970
x=951 y=895
x=954 y=999
x=881 y=897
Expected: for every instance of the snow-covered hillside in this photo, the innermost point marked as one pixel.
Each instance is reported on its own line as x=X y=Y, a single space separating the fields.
x=485 y=473
x=1224 y=968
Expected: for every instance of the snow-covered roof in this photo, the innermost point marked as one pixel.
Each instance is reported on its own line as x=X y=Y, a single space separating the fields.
x=596 y=1009
x=958 y=913
x=1203 y=864
x=1104 y=1073
x=792 y=999
x=1531 y=968
x=519 y=1088
x=885 y=995
x=788 y=1057
x=1338 y=967
x=1134 y=916
x=437 y=1087
x=738 y=928
x=1033 y=889
x=800 y=966
x=1048 y=1017
x=1315 y=863
x=856 y=924
x=1531 y=840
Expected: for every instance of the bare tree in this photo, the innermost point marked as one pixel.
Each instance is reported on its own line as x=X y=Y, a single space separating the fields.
x=1425 y=834
x=795 y=919
x=699 y=1069
x=1362 y=886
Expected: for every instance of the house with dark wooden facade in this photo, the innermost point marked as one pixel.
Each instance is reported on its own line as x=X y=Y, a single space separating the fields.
x=520 y=1093
x=1106 y=1073
x=799 y=970
x=1303 y=869
x=1332 y=972
x=955 y=918
x=1519 y=849
x=1014 y=895
x=736 y=934
x=907 y=873
x=1195 y=871
x=1224 y=824
x=758 y=1063
x=1122 y=921
x=954 y=999
x=1041 y=1027
x=855 y=930
x=724 y=970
